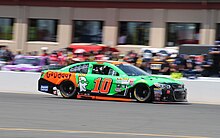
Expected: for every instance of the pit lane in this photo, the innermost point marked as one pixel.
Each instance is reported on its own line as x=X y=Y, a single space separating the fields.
x=46 y=116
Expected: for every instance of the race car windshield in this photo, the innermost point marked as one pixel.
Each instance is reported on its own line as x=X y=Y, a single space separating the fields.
x=32 y=61
x=131 y=70
x=1 y=59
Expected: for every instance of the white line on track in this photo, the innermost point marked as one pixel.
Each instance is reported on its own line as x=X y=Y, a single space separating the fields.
x=98 y=132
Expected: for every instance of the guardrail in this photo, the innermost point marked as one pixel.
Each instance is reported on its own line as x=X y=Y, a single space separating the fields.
x=201 y=90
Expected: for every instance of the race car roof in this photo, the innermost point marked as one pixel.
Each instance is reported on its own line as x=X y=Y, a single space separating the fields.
x=111 y=62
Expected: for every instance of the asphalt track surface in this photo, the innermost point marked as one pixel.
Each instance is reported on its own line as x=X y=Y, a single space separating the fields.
x=46 y=116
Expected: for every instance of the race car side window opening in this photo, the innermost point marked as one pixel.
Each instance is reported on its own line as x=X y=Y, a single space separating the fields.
x=83 y=68
x=104 y=70
x=131 y=70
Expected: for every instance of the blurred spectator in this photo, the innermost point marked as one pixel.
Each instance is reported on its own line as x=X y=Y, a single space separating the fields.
x=44 y=51
x=99 y=55
x=7 y=55
x=91 y=56
x=2 y=50
x=19 y=54
x=191 y=65
x=139 y=61
x=108 y=52
x=165 y=68
x=179 y=64
x=121 y=57
x=54 y=58
x=147 y=54
x=190 y=71
x=190 y=62
x=62 y=57
x=131 y=57
x=69 y=58
x=115 y=56
x=215 y=54
x=34 y=53
x=206 y=66
x=146 y=66
x=122 y=39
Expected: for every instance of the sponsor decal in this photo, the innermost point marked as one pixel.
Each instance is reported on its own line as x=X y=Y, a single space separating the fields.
x=82 y=75
x=157 y=94
x=58 y=75
x=131 y=82
x=158 y=91
x=82 y=83
x=79 y=68
x=44 y=88
x=122 y=80
x=118 y=88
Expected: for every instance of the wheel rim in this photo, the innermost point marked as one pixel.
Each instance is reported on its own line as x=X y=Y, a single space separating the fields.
x=67 y=89
x=142 y=94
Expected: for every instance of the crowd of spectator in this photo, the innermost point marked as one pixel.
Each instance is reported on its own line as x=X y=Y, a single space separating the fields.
x=6 y=54
x=207 y=65
x=159 y=63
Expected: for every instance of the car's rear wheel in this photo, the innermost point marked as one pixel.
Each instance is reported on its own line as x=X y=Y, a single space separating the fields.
x=142 y=93
x=68 y=90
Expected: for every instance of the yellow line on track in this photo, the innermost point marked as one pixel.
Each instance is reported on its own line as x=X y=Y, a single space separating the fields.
x=98 y=132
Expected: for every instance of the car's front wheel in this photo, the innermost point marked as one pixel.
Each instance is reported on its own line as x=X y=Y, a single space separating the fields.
x=142 y=93
x=68 y=90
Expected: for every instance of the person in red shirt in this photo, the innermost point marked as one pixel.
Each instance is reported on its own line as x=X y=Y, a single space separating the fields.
x=44 y=51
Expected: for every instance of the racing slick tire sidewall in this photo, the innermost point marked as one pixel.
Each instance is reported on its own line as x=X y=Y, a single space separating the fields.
x=143 y=89
x=68 y=90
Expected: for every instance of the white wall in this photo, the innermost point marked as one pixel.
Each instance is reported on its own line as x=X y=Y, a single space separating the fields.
x=204 y=90
x=18 y=82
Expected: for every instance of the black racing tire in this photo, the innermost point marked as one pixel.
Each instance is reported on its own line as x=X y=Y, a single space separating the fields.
x=68 y=90
x=142 y=93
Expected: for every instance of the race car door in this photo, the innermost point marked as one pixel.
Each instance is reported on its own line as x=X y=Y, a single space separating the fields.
x=102 y=80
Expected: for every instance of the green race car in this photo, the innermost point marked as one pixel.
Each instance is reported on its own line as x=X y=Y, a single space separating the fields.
x=110 y=80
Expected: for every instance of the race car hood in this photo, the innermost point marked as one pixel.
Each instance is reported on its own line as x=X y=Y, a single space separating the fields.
x=151 y=80
x=158 y=79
